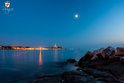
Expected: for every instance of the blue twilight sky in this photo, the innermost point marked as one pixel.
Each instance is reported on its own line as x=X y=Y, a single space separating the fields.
x=46 y=22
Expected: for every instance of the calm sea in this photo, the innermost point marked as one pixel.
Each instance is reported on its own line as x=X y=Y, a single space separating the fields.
x=19 y=66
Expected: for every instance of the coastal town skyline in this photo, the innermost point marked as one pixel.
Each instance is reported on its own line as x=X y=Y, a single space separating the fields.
x=54 y=47
x=72 y=23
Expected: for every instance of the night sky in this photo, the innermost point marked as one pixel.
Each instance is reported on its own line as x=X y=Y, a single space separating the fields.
x=69 y=23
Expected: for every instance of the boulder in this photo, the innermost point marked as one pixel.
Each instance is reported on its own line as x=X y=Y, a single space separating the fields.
x=86 y=58
x=109 y=51
x=114 y=59
x=120 y=51
x=71 y=61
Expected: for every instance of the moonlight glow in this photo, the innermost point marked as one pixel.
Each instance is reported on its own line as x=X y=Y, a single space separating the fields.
x=76 y=16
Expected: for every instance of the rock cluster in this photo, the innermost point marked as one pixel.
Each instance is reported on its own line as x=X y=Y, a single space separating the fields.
x=101 y=66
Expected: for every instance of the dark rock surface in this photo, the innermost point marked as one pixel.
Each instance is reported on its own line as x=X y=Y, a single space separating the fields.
x=71 y=61
x=77 y=77
x=48 y=79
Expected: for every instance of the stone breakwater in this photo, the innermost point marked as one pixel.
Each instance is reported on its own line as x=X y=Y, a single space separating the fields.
x=108 y=69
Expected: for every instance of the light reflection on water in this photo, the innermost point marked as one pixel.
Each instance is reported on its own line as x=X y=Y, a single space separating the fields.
x=40 y=58
x=20 y=65
x=55 y=55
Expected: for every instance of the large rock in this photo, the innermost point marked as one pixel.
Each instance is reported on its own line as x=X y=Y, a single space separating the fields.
x=102 y=57
x=71 y=61
x=77 y=77
x=114 y=59
x=86 y=58
x=120 y=51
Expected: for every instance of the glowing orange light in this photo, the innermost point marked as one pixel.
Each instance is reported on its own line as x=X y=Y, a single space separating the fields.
x=40 y=58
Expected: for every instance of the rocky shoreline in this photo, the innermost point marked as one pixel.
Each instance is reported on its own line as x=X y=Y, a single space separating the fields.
x=99 y=70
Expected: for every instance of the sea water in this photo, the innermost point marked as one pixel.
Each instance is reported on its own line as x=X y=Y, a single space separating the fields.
x=17 y=66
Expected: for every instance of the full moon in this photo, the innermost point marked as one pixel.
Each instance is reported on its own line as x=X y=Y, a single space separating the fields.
x=76 y=15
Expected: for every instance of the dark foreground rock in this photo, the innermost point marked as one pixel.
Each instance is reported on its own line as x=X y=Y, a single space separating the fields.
x=77 y=77
x=81 y=75
x=66 y=77
x=71 y=61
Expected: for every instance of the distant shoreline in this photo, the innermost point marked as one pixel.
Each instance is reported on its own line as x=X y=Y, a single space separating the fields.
x=30 y=48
